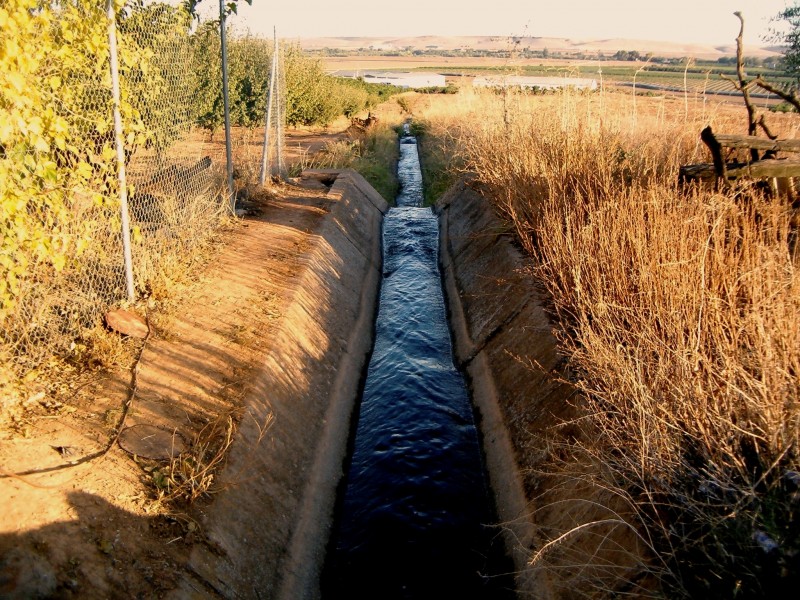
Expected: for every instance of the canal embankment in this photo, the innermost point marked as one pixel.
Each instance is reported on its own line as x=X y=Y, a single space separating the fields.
x=499 y=331
x=267 y=527
x=415 y=515
x=504 y=344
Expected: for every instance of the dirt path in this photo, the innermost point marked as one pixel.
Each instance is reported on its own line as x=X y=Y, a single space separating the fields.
x=92 y=529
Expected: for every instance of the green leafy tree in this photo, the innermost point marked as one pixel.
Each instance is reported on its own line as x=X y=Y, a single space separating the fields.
x=58 y=171
x=310 y=97
x=787 y=33
x=249 y=72
x=208 y=67
x=158 y=36
x=55 y=143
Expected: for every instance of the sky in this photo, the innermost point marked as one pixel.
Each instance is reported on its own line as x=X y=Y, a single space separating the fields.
x=686 y=21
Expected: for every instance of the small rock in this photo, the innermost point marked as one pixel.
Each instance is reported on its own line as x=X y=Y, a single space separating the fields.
x=149 y=441
x=127 y=323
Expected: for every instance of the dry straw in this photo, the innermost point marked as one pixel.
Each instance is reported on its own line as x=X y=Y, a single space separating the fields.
x=680 y=311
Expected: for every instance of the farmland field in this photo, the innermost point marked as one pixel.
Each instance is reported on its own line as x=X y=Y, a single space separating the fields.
x=649 y=78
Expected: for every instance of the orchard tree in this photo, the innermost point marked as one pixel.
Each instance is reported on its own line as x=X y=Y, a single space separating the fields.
x=788 y=34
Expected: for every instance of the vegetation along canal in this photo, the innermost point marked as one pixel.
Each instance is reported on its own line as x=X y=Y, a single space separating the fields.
x=412 y=521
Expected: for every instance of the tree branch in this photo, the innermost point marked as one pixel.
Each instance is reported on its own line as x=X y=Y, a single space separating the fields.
x=230 y=6
x=752 y=127
x=790 y=97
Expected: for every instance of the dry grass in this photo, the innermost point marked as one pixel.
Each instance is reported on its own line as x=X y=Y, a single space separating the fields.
x=192 y=474
x=681 y=315
x=373 y=153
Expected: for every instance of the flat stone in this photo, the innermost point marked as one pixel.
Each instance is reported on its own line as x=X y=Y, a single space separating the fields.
x=127 y=323
x=149 y=441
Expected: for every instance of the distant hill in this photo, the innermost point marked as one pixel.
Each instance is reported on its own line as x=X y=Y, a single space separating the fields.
x=564 y=45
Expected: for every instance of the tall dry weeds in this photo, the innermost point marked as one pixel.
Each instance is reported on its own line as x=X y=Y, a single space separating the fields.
x=681 y=316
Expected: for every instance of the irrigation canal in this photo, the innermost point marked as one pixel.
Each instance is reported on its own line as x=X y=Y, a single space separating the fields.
x=412 y=518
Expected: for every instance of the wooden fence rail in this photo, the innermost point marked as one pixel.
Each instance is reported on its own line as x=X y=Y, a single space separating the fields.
x=779 y=170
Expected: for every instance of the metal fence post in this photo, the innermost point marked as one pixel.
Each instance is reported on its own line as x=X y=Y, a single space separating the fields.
x=270 y=101
x=281 y=110
x=120 y=148
x=226 y=105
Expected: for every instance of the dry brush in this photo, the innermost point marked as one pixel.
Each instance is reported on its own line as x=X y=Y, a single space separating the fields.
x=680 y=313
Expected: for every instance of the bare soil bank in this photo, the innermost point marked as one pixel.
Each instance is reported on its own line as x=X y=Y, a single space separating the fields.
x=278 y=334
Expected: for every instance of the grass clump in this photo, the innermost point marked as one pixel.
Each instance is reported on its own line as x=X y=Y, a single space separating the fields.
x=373 y=153
x=191 y=475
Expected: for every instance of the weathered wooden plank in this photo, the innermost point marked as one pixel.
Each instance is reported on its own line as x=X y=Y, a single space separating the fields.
x=757 y=170
x=756 y=143
x=772 y=167
x=699 y=172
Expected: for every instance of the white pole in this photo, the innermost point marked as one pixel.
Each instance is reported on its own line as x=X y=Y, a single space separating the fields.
x=270 y=99
x=280 y=103
x=226 y=105
x=118 y=140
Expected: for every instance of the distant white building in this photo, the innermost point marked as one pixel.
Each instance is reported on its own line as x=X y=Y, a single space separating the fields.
x=403 y=80
x=542 y=83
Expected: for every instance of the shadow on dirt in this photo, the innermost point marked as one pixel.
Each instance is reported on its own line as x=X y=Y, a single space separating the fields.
x=101 y=552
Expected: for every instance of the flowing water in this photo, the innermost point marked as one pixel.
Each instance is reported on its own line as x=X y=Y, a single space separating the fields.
x=412 y=520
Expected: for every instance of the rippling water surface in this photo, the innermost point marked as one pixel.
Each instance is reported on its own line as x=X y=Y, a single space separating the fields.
x=412 y=520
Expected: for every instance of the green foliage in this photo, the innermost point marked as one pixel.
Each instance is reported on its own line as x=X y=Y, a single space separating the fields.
x=313 y=97
x=374 y=155
x=377 y=92
x=316 y=98
x=58 y=167
x=207 y=63
x=55 y=142
x=783 y=107
x=152 y=39
x=249 y=61
x=790 y=37
x=309 y=97
x=438 y=161
x=438 y=89
x=248 y=74
x=378 y=161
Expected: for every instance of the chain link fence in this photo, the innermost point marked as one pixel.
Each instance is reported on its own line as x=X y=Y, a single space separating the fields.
x=69 y=169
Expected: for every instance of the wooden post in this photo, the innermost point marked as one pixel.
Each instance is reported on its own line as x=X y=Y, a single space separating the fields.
x=716 y=154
